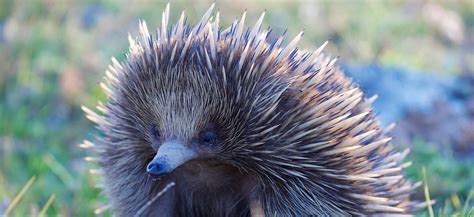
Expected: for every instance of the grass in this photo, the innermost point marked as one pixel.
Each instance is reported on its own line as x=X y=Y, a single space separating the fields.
x=19 y=196
x=54 y=52
x=446 y=180
x=47 y=205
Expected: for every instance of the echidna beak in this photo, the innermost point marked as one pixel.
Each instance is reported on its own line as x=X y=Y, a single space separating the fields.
x=170 y=155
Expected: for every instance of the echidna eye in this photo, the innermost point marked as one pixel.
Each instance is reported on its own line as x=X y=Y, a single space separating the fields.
x=208 y=137
x=155 y=133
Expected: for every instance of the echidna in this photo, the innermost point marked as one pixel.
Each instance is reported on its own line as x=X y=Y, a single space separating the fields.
x=241 y=125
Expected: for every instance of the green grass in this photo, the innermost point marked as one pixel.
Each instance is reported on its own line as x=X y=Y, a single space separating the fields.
x=450 y=181
x=45 y=45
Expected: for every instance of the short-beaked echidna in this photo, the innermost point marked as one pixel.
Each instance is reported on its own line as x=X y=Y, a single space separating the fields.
x=241 y=125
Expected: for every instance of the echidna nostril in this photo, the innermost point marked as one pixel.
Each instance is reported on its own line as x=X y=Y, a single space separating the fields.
x=157 y=167
x=153 y=168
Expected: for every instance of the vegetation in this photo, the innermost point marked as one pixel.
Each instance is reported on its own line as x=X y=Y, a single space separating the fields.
x=52 y=53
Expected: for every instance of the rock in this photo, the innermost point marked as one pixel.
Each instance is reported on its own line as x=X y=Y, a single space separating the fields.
x=438 y=109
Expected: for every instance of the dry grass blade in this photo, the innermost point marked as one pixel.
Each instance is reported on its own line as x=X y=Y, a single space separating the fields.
x=20 y=195
x=427 y=193
x=158 y=195
x=47 y=205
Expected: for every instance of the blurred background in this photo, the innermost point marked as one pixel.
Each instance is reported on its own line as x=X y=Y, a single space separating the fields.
x=416 y=55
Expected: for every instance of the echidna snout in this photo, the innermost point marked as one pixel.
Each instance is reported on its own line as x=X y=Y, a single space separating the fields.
x=170 y=155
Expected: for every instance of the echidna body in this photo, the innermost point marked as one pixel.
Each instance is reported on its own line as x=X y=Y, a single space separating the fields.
x=242 y=127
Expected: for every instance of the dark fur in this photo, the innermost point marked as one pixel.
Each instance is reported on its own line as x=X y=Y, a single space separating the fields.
x=206 y=190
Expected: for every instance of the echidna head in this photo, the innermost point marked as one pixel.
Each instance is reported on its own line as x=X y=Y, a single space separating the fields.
x=170 y=114
x=185 y=112
x=197 y=96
